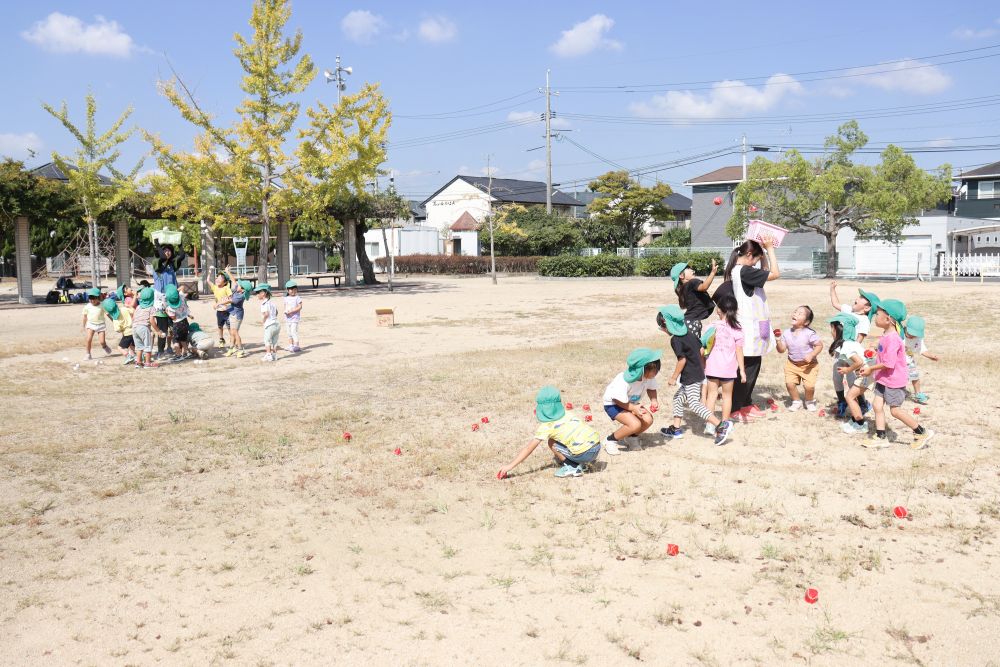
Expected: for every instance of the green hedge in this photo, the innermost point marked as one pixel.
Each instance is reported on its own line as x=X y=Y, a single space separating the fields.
x=606 y=265
x=461 y=264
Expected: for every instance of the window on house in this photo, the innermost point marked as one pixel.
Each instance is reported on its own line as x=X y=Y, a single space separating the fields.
x=373 y=249
x=989 y=189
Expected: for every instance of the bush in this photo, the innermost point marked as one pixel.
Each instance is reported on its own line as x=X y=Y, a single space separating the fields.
x=660 y=265
x=461 y=264
x=333 y=262
x=675 y=237
x=574 y=266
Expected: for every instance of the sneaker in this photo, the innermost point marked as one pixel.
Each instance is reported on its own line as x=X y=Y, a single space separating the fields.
x=152 y=364
x=795 y=406
x=611 y=445
x=875 y=442
x=672 y=432
x=851 y=427
x=722 y=432
x=633 y=443
x=920 y=441
x=295 y=348
x=107 y=350
x=231 y=351
x=221 y=343
x=242 y=353
x=710 y=429
x=921 y=398
x=88 y=358
x=138 y=365
x=811 y=406
x=128 y=360
x=569 y=470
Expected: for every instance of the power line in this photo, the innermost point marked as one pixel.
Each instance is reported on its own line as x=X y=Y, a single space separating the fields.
x=532 y=91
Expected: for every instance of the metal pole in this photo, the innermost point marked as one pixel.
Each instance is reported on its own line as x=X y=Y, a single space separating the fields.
x=548 y=147
x=339 y=80
x=489 y=213
x=744 y=157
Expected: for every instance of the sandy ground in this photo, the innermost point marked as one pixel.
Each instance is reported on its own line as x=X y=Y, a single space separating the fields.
x=213 y=513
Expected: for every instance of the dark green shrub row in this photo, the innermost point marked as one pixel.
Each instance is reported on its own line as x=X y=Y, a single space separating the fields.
x=462 y=264
x=607 y=265
x=660 y=265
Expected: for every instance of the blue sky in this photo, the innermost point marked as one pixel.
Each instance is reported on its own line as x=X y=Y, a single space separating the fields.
x=698 y=76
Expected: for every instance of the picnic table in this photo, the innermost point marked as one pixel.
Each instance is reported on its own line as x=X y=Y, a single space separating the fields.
x=316 y=277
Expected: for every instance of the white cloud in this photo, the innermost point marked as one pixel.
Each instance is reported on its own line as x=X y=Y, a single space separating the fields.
x=725 y=99
x=437 y=29
x=20 y=146
x=585 y=37
x=941 y=143
x=361 y=26
x=60 y=33
x=906 y=76
x=969 y=34
x=523 y=115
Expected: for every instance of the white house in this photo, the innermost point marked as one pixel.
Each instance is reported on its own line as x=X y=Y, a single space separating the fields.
x=458 y=208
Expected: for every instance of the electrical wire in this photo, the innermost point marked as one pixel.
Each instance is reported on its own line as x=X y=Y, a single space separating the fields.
x=532 y=91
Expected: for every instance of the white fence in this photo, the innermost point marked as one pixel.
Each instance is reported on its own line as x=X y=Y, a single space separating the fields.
x=982 y=266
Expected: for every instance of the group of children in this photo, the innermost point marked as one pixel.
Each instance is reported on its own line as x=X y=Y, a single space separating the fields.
x=147 y=314
x=709 y=358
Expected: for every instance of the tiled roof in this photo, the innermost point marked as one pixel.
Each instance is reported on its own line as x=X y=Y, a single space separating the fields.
x=51 y=171
x=465 y=223
x=721 y=175
x=513 y=191
x=988 y=170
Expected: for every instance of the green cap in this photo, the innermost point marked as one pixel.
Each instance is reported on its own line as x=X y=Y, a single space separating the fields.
x=146 y=297
x=94 y=291
x=193 y=327
x=548 y=404
x=708 y=339
x=873 y=299
x=849 y=322
x=673 y=318
x=263 y=287
x=245 y=284
x=675 y=272
x=915 y=326
x=637 y=360
x=290 y=284
x=894 y=309
x=120 y=292
x=111 y=308
x=173 y=296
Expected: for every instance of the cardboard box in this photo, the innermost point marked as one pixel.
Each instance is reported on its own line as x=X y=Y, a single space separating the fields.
x=384 y=317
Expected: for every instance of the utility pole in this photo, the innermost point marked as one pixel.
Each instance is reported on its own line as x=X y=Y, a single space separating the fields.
x=744 y=157
x=489 y=217
x=548 y=148
x=337 y=75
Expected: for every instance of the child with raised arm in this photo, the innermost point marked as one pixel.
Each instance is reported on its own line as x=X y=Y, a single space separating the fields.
x=915 y=347
x=93 y=322
x=689 y=370
x=724 y=361
x=803 y=346
x=573 y=443
x=241 y=292
x=891 y=377
x=623 y=395
x=692 y=294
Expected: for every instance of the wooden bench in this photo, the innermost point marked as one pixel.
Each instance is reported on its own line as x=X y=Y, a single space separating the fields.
x=316 y=277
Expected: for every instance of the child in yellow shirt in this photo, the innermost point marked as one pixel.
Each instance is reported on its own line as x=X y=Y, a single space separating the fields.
x=93 y=322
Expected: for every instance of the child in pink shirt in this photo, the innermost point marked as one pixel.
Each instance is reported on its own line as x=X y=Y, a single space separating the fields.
x=891 y=377
x=724 y=360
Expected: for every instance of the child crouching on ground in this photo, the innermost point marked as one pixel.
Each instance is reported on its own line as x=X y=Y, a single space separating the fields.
x=891 y=377
x=574 y=444
x=121 y=319
x=200 y=341
x=915 y=347
x=803 y=346
x=687 y=348
x=622 y=396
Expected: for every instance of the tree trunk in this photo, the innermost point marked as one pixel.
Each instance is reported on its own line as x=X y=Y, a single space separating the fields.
x=265 y=228
x=831 y=253
x=388 y=257
x=367 y=270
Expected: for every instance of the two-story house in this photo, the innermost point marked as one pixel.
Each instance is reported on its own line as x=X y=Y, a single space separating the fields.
x=978 y=194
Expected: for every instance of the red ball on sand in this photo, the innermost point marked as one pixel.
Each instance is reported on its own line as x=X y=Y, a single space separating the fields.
x=347 y=436
x=900 y=512
x=672 y=550
x=397 y=451
x=475 y=427
x=569 y=406
x=501 y=475
x=588 y=418
x=822 y=413
x=717 y=201
x=485 y=420
x=586 y=407
x=812 y=595
x=916 y=411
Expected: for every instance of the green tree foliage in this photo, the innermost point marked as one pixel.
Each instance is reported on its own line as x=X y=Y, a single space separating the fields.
x=677 y=237
x=624 y=206
x=833 y=193
x=527 y=231
x=48 y=204
x=96 y=192
x=243 y=166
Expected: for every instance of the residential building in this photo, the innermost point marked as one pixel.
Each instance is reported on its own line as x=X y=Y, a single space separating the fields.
x=978 y=194
x=678 y=203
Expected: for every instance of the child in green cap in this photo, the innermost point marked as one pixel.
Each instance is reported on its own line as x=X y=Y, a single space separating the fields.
x=849 y=357
x=93 y=322
x=178 y=311
x=692 y=294
x=689 y=369
x=915 y=347
x=141 y=329
x=241 y=292
x=269 y=320
x=891 y=377
x=293 y=314
x=623 y=395
x=574 y=444
x=121 y=320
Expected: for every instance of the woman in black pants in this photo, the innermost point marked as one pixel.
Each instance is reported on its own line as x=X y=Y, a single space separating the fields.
x=745 y=282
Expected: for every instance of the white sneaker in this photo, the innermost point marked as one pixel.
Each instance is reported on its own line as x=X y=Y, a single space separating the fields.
x=851 y=428
x=811 y=406
x=795 y=406
x=611 y=446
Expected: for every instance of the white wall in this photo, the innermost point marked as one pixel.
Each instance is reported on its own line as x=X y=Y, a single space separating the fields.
x=470 y=242
x=410 y=240
x=917 y=249
x=446 y=207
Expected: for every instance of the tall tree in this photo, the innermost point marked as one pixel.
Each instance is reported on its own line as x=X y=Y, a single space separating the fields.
x=44 y=201
x=95 y=192
x=340 y=154
x=833 y=193
x=253 y=164
x=624 y=204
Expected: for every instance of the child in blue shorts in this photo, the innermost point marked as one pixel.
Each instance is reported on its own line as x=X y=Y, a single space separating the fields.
x=623 y=394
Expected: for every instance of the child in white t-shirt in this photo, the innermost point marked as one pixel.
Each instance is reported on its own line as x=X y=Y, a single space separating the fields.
x=913 y=343
x=849 y=356
x=293 y=314
x=269 y=320
x=623 y=395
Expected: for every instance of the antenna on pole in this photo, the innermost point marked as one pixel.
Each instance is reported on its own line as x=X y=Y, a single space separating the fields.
x=548 y=142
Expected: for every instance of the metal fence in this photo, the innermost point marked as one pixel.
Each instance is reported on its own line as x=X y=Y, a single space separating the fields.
x=986 y=265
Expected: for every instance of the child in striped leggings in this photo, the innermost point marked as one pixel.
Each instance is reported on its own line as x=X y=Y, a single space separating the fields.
x=689 y=369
